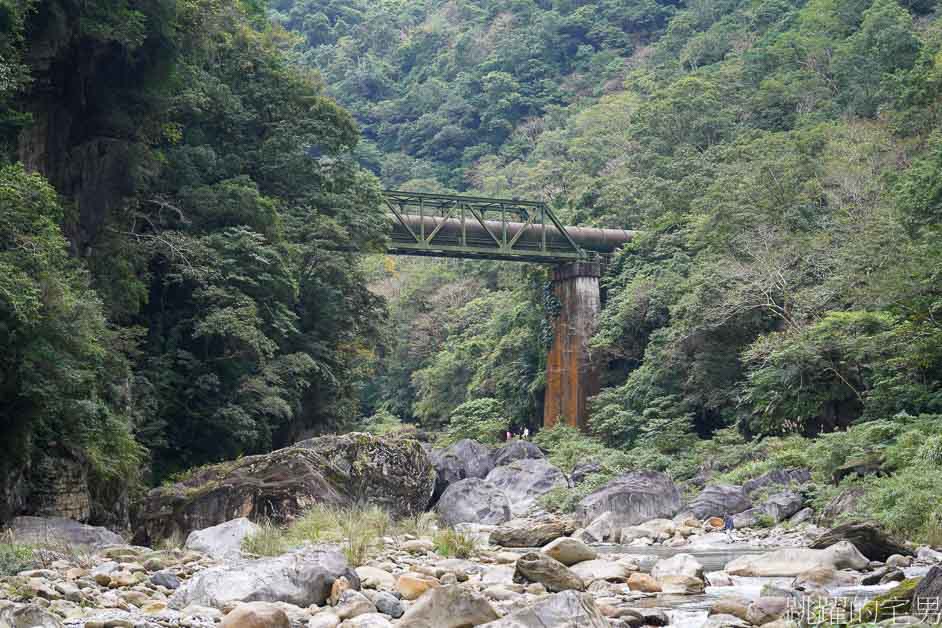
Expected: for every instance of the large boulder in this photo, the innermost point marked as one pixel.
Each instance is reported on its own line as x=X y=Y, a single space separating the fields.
x=719 y=500
x=793 y=561
x=524 y=480
x=301 y=578
x=60 y=531
x=27 y=616
x=568 y=609
x=222 y=541
x=867 y=537
x=516 y=450
x=569 y=551
x=534 y=532
x=783 y=505
x=395 y=474
x=465 y=459
x=473 y=500
x=632 y=498
x=844 y=504
x=454 y=606
x=777 y=477
x=552 y=574
x=678 y=565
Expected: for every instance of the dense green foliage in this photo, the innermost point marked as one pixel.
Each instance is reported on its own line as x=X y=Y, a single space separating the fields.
x=208 y=192
x=781 y=158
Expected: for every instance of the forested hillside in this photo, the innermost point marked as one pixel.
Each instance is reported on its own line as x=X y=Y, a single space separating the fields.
x=174 y=193
x=782 y=159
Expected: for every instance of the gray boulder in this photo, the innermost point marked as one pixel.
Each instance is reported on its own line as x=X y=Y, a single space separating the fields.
x=394 y=474
x=473 y=500
x=783 y=505
x=516 y=450
x=222 y=541
x=61 y=531
x=777 y=477
x=793 y=561
x=453 y=606
x=533 y=532
x=524 y=480
x=718 y=500
x=27 y=616
x=866 y=536
x=465 y=459
x=632 y=498
x=301 y=578
x=568 y=609
x=552 y=574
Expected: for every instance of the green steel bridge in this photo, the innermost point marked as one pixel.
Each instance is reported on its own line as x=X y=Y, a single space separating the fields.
x=444 y=225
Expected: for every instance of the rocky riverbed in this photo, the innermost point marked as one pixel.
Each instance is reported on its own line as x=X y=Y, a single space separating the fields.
x=635 y=553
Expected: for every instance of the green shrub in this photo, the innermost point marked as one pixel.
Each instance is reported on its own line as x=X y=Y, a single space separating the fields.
x=931 y=451
x=14 y=557
x=482 y=420
x=450 y=542
x=358 y=529
x=567 y=447
x=908 y=503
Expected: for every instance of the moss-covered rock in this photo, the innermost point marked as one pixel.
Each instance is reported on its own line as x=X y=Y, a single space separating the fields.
x=338 y=470
x=895 y=602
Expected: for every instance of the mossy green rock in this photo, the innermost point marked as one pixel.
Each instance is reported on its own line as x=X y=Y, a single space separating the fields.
x=395 y=474
x=895 y=602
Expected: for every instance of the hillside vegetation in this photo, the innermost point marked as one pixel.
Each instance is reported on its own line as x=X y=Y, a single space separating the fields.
x=187 y=188
x=782 y=159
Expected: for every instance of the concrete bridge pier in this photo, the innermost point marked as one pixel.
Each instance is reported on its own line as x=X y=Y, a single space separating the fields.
x=571 y=375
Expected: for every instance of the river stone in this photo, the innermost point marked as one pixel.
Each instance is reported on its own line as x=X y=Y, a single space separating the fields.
x=61 y=531
x=394 y=474
x=256 y=615
x=568 y=609
x=735 y=606
x=824 y=578
x=326 y=619
x=165 y=579
x=793 y=561
x=353 y=603
x=678 y=565
x=719 y=500
x=516 y=450
x=370 y=620
x=681 y=585
x=473 y=500
x=802 y=516
x=599 y=569
x=631 y=498
x=465 y=459
x=569 y=551
x=766 y=609
x=777 y=477
x=375 y=578
x=28 y=616
x=223 y=540
x=726 y=621
x=534 y=532
x=555 y=576
x=523 y=481
x=386 y=603
x=867 y=536
x=783 y=505
x=643 y=582
x=454 y=606
x=301 y=578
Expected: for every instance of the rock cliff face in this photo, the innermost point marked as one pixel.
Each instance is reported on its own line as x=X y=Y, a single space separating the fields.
x=340 y=470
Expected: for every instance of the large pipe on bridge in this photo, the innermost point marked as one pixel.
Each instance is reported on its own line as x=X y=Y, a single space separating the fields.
x=603 y=241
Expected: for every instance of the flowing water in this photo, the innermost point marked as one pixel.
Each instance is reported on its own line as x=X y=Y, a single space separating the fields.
x=690 y=611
